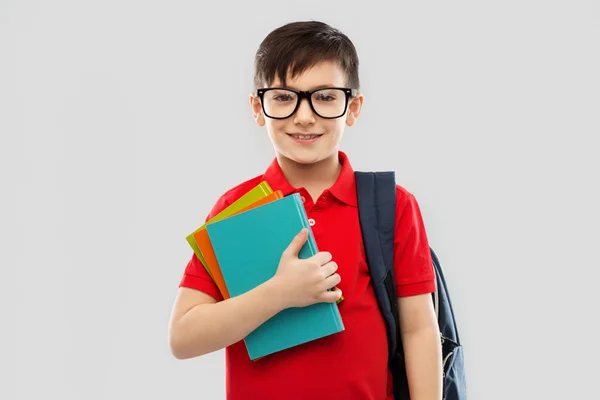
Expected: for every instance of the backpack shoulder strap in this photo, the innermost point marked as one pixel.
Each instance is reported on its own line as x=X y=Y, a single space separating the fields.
x=376 y=195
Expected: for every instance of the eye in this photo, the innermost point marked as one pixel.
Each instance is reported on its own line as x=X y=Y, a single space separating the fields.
x=326 y=96
x=282 y=97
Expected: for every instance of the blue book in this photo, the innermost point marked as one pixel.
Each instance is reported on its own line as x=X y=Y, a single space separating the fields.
x=248 y=248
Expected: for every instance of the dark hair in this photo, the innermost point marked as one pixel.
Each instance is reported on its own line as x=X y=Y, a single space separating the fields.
x=297 y=46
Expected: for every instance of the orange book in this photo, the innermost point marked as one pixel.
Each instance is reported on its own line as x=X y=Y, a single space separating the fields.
x=203 y=241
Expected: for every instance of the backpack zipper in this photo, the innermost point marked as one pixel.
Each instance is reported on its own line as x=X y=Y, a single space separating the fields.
x=444 y=362
x=436 y=304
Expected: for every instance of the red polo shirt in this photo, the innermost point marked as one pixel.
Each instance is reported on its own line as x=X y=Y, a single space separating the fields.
x=351 y=364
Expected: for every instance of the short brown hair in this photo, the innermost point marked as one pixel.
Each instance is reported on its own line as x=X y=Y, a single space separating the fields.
x=297 y=46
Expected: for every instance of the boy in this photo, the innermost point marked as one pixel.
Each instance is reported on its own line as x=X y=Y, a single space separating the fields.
x=305 y=129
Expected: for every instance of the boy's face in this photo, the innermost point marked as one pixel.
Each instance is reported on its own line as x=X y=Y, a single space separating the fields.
x=305 y=121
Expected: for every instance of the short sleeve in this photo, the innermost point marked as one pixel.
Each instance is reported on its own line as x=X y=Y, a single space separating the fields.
x=413 y=265
x=195 y=276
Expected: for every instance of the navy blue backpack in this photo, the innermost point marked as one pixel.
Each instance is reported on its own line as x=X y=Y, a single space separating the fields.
x=376 y=192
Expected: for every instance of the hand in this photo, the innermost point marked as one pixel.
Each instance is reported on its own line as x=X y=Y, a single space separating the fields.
x=302 y=282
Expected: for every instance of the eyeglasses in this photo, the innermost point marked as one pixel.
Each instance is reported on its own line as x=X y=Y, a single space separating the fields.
x=281 y=103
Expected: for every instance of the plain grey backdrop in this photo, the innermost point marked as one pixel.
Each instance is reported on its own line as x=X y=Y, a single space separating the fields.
x=122 y=122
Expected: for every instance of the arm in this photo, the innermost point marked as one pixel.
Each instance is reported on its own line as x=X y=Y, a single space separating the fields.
x=422 y=346
x=200 y=325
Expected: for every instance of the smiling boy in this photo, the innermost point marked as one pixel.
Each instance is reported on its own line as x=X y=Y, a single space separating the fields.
x=307 y=92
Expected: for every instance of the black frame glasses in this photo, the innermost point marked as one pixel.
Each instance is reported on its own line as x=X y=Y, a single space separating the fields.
x=307 y=94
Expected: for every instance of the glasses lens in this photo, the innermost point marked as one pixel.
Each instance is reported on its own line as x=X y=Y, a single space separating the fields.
x=329 y=103
x=279 y=103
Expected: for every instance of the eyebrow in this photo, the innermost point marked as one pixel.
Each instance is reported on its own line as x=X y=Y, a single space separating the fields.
x=328 y=85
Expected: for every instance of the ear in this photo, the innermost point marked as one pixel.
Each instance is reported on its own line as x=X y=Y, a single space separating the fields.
x=354 y=109
x=256 y=108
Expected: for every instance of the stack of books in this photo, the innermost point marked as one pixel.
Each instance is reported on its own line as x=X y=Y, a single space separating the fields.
x=241 y=248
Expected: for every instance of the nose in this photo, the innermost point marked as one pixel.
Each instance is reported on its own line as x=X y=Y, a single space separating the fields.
x=304 y=115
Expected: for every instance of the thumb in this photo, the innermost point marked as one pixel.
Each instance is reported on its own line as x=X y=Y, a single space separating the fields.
x=296 y=244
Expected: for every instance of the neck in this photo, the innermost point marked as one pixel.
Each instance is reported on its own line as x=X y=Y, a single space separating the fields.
x=315 y=177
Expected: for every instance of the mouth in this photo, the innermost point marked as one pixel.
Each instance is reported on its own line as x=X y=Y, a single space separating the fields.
x=305 y=136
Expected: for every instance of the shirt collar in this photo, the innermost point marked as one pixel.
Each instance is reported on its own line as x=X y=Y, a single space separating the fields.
x=344 y=188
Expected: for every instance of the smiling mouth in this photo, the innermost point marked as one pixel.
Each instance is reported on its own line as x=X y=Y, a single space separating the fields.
x=305 y=137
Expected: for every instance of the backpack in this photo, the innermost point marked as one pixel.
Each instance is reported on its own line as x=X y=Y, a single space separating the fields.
x=376 y=192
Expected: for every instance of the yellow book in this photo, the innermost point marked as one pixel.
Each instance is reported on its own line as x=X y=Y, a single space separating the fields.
x=256 y=193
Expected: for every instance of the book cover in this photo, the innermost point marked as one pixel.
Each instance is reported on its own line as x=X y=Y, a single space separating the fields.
x=248 y=248
x=203 y=241
x=256 y=193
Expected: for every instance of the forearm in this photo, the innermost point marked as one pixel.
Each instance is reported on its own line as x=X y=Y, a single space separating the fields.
x=424 y=363
x=210 y=327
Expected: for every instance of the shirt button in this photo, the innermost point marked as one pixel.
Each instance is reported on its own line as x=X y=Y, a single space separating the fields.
x=303 y=199
x=311 y=222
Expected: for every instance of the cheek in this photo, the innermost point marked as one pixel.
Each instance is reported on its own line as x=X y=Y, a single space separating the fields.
x=336 y=128
x=275 y=126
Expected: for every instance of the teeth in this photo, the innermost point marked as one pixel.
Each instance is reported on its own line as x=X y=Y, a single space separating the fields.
x=305 y=137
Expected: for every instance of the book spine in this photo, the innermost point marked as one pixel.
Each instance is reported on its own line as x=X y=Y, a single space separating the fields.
x=265 y=187
x=335 y=312
x=304 y=219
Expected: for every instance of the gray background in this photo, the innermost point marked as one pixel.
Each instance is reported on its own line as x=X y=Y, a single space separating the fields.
x=123 y=121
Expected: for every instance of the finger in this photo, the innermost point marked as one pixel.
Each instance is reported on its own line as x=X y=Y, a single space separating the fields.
x=331 y=281
x=331 y=296
x=296 y=244
x=329 y=268
x=322 y=257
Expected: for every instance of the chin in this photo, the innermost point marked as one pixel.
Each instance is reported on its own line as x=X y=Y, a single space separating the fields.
x=306 y=156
